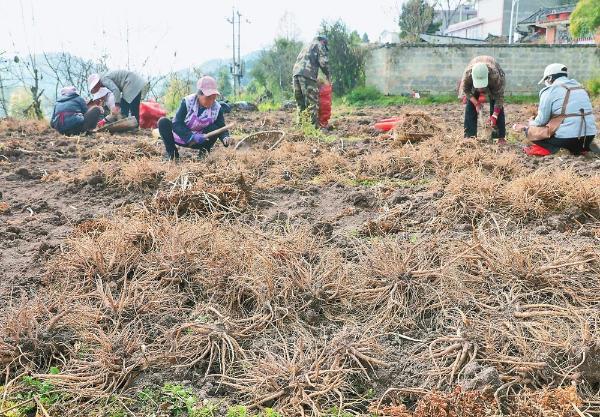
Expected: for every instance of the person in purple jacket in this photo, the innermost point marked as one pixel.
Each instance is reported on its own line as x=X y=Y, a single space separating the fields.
x=198 y=114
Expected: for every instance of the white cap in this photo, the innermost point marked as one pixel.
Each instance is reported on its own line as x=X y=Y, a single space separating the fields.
x=553 y=69
x=93 y=80
x=102 y=92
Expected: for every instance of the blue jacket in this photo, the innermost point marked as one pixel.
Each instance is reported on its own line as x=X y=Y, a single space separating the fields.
x=68 y=113
x=551 y=102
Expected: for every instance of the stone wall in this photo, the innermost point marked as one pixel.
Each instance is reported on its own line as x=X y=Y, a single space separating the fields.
x=437 y=69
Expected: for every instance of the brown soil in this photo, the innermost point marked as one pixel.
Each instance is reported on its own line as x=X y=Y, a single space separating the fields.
x=414 y=279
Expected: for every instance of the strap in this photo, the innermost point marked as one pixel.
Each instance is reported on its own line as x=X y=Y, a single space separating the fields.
x=567 y=97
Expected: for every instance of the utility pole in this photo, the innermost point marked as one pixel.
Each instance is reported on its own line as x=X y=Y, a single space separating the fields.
x=237 y=66
x=513 y=20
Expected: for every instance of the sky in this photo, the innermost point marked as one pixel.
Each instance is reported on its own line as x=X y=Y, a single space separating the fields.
x=154 y=37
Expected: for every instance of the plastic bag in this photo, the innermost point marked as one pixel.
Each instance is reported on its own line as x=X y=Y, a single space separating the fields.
x=325 y=93
x=150 y=112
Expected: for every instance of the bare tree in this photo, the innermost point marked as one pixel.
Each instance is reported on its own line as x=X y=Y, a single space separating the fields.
x=450 y=9
x=3 y=84
x=29 y=76
x=288 y=28
x=67 y=69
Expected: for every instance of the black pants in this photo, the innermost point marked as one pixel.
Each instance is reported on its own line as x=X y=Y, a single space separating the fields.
x=574 y=145
x=165 y=128
x=471 y=121
x=90 y=121
x=132 y=108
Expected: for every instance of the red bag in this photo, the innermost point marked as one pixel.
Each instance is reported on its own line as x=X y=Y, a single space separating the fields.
x=150 y=112
x=536 y=150
x=325 y=92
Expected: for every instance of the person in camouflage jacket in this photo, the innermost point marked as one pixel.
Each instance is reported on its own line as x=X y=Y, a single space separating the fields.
x=306 y=71
x=484 y=76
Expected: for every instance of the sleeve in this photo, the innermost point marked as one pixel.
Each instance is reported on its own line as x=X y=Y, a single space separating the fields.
x=544 y=109
x=110 y=84
x=219 y=123
x=499 y=91
x=324 y=60
x=467 y=85
x=110 y=100
x=179 y=126
x=82 y=105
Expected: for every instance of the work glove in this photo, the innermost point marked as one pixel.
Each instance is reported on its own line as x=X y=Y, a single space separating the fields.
x=476 y=103
x=493 y=121
x=226 y=141
x=101 y=123
x=481 y=99
x=197 y=138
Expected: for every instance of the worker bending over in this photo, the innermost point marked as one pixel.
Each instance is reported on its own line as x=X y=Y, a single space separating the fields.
x=484 y=77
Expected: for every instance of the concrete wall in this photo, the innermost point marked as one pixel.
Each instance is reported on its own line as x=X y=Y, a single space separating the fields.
x=397 y=69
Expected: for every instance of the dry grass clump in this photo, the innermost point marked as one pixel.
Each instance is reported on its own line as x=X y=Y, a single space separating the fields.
x=474 y=193
x=396 y=284
x=415 y=126
x=547 y=190
x=147 y=293
x=222 y=199
x=24 y=127
x=447 y=154
x=308 y=376
x=385 y=164
x=121 y=152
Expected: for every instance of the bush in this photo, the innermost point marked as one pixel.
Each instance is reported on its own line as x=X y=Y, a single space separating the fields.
x=363 y=94
x=20 y=104
x=585 y=19
x=593 y=86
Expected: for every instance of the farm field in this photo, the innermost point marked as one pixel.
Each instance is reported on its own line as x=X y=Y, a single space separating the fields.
x=346 y=273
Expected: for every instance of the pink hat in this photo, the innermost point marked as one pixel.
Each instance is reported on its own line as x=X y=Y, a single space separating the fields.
x=65 y=91
x=208 y=86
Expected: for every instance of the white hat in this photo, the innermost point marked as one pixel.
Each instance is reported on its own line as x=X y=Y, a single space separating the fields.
x=93 y=80
x=102 y=92
x=553 y=69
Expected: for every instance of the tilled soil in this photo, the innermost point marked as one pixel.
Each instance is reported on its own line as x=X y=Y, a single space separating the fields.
x=50 y=187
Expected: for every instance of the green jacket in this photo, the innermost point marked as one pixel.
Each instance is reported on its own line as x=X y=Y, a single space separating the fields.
x=312 y=57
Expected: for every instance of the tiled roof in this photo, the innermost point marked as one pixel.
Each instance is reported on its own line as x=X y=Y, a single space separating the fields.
x=545 y=11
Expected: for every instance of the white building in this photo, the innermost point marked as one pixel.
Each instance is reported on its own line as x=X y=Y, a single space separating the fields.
x=493 y=18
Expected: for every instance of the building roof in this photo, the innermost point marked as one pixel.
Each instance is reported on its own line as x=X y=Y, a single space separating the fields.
x=446 y=39
x=545 y=11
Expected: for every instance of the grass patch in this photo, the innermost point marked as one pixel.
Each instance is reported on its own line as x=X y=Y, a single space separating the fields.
x=370 y=96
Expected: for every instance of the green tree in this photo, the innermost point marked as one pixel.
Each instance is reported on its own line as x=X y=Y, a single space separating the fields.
x=346 y=57
x=416 y=17
x=224 y=81
x=272 y=73
x=585 y=19
x=176 y=89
